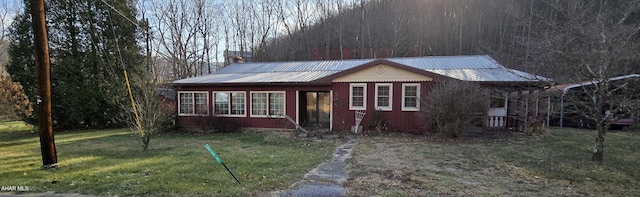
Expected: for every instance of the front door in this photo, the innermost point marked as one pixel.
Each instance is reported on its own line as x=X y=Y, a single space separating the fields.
x=317 y=111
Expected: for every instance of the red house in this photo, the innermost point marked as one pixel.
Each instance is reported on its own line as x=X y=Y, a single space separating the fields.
x=329 y=93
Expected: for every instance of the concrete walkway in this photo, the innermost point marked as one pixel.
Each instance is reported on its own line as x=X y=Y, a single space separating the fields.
x=327 y=178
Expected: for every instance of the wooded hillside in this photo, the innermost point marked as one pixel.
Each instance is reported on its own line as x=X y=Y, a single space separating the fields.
x=519 y=34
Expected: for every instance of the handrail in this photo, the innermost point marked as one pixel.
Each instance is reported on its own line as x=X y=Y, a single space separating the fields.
x=295 y=123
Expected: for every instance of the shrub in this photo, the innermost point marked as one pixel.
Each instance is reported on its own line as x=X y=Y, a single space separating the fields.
x=454 y=106
x=377 y=123
x=225 y=125
x=218 y=124
x=14 y=103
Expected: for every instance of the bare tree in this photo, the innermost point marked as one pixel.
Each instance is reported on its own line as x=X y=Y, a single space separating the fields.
x=186 y=31
x=7 y=10
x=592 y=41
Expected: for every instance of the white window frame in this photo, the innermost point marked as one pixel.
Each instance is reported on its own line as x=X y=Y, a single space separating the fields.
x=193 y=100
x=364 y=96
x=230 y=103
x=404 y=95
x=268 y=108
x=384 y=108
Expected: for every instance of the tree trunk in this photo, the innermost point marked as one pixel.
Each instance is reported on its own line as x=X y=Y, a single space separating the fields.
x=598 y=151
x=43 y=73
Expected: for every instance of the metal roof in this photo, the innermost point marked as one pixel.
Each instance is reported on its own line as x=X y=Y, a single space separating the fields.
x=479 y=68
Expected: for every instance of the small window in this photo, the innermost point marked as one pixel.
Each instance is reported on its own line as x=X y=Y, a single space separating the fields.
x=411 y=97
x=265 y=104
x=357 y=96
x=193 y=103
x=384 y=92
x=229 y=103
x=497 y=101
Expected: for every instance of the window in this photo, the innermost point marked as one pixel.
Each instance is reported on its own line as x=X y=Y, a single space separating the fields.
x=229 y=103
x=384 y=92
x=193 y=103
x=357 y=96
x=497 y=100
x=237 y=103
x=267 y=104
x=258 y=104
x=276 y=104
x=411 y=97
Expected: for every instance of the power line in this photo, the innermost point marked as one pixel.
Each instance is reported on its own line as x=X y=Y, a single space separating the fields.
x=118 y=11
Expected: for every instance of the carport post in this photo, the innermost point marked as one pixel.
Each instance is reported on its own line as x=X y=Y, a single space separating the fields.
x=561 y=109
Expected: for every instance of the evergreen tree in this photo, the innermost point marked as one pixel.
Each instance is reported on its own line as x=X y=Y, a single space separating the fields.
x=90 y=44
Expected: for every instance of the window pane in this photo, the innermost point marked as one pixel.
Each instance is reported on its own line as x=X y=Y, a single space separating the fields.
x=259 y=103
x=237 y=103
x=276 y=104
x=201 y=103
x=411 y=96
x=410 y=102
x=186 y=103
x=358 y=91
x=383 y=96
x=357 y=102
x=357 y=99
x=411 y=91
x=383 y=102
x=221 y=103
x=497 y=101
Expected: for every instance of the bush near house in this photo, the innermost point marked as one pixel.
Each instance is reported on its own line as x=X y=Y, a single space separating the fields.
x=453 y=106
x=218 y=124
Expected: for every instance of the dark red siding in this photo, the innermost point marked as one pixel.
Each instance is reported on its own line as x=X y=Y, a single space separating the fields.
x=342 y=117
x=398 y=120
x=247 y=120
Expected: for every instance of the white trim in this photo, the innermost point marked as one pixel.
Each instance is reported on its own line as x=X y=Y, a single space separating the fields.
x=193 y=100
x=364 y=96
x=384 y=108
x=284 y=104
x=417 y=108
x=331 y=110
x=213 y=101
x=297 y=107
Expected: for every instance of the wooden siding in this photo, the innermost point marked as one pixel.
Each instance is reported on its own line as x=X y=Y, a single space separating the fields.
x=399 y=120
x=247 y=120
x=382 y=73
x=341 y=117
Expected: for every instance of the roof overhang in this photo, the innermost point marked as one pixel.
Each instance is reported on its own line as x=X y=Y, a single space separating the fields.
x=330 y=78
x=566 y=87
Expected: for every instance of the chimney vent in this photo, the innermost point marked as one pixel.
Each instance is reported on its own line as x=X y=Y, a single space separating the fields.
x=238 y=59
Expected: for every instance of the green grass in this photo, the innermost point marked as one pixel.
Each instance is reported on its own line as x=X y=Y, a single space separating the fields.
x=14 y=126
x=110 y=162
x=555 y=164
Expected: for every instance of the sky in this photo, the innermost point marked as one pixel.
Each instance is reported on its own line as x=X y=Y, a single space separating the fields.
x=8 y=8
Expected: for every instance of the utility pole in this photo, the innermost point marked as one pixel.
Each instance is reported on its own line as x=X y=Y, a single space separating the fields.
x=43 y=74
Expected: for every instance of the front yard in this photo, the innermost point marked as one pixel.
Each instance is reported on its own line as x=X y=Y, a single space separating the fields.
x=555 y=164
x=110 y=162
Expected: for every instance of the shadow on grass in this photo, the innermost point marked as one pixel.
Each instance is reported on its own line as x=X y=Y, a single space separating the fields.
x=111 y=162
